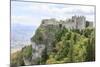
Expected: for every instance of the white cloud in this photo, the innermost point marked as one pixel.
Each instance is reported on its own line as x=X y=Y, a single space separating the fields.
x=65 y=10
x=25 y=20
x=43 y=11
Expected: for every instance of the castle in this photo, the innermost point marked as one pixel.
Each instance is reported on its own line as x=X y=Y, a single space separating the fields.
x=76 y=22
x=45 y=34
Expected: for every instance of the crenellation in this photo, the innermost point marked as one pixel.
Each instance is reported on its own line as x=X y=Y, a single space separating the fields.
x=76 y=22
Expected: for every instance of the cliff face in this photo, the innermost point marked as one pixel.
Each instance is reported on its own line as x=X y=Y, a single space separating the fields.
x=53 y=42
x=42 y=41
x=45 y=37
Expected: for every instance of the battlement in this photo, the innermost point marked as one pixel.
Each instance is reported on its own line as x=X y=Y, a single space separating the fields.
x=76 y=22
x=49 y=21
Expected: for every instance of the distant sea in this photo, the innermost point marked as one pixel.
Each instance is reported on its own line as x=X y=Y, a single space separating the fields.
x=21 y=35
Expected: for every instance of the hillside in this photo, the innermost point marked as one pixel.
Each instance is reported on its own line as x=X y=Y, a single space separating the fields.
x=54 y=44
x=62 y=45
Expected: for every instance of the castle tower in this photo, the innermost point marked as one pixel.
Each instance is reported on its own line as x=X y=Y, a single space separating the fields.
x=79 y=21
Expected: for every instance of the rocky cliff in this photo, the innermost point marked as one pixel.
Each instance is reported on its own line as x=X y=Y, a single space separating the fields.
x=54 y=43
x=42 y=42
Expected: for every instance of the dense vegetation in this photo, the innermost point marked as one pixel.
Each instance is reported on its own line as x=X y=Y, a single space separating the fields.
x=17 y=57
x=69 y=46
x=73 y=46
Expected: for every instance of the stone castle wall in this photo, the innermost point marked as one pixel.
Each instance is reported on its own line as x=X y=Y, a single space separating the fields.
x=76 y=22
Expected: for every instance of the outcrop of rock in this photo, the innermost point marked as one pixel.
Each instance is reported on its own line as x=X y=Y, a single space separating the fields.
x=42 y=41
x=45 y=36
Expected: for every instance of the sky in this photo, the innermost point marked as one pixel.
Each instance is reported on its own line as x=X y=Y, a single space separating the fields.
x=31 y=13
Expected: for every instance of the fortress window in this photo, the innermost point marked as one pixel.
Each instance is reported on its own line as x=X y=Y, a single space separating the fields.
x=43 y=22
x=60 y=25
x=72 y=20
